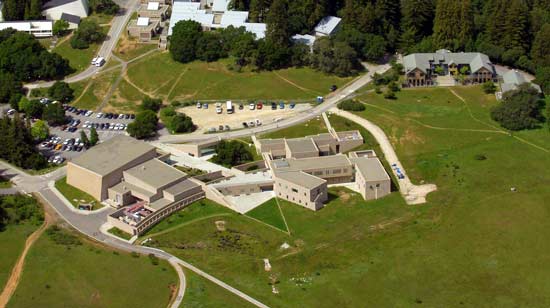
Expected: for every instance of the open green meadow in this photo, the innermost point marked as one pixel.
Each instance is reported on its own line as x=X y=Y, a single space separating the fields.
x=475 y=243
x=312 y=127
x=62 y=267
x=95 y=90
x=160 y=76
x=79 y=59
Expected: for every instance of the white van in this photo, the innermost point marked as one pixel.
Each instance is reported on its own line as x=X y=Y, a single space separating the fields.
x=229 y=107
x=94 y=60
x=100 y=61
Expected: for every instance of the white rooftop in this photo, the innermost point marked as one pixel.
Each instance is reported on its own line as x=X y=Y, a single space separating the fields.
x=220 y=5
x=153 y=6
x=27 y=26
x=143 y=21
x=327 y=25
x=304 y=39
x=234 y=17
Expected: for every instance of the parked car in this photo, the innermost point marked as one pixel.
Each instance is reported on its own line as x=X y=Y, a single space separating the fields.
x=259 y=106
x=11 y=112
x=132 y=116
x=245 y=125
x=252 y=106
x=258 y=122
x=220 y=128
x=251 y=123
x=333 y=88
x=99 y=115
x=212 y=130
x=281 y=105
x=241 y=106
x=219 y=110
x=199 y=106
x=227 y=127
x=292 y=105
x=273 y=106
x=205 y=106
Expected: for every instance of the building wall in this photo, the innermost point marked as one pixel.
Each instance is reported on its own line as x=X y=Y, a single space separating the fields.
x=371 y=190
x=312 y=199
x=77 y=8
x=182 y=195
x=85 y=180
x=126 y=197
x=347 y=145
x=333 y=175
x=244 y=189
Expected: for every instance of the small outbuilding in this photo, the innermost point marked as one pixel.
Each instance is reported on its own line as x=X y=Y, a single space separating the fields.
x=328 y=26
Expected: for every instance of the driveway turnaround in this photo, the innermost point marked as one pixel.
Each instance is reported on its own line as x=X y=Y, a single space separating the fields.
x=413 y=194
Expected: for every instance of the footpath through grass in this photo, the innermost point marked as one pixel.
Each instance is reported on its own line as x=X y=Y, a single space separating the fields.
x=475 y=243
x=75 y=195
x=64 y=268
x=201 y=293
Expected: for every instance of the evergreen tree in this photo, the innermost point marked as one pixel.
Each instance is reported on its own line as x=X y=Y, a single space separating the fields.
x=278 y=30
x=541 y=47
x=258 y=10
x=516 y=26
x=84 y=138
x=417 y=17
x=94 y=137
x=453 y=24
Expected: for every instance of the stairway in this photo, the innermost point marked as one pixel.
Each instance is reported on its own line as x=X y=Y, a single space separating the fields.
x=445 y=81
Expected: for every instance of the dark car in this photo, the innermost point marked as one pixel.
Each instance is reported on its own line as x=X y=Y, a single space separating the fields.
x=245 y=125
x=273 y=106
x=132 y=116
x=220 y=127
x=333 y=88
x=126 y=116
x=241 y=106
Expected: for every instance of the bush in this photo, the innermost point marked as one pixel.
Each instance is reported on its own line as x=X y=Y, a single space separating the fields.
x=152 y=104
x=231 y=153
x=61 y=91
x=389 y=94
x=351 y=105
x=177 y=122
x=88 y=32
x=62 y=237
x=154 y=259
x=489 y=87
x=144 y=126
x=60 y=28
x=520 y=109
x=134 y=254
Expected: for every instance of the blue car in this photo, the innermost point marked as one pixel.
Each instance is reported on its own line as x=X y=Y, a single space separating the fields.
x=281 y=105
x=292 y=105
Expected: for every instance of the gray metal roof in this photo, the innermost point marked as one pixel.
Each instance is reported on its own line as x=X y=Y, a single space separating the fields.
x=156 y=173
x=181 y=187
x=55 y=3
x=371 y=168
x=70 y=18
x=421 y=61
x=513 y=78
x=112 y=154
x=321 y=162
x=301 y=179
x=328 y=24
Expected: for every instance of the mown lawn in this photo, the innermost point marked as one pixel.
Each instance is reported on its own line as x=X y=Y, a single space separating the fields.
x=70 y=271
x=95 y=90
x=312 y=127
x=474 y=244
x=201 y=293
x=75 y=195
x=162 y=77
x=117 y=232
x=79 y=59
x=269 y=213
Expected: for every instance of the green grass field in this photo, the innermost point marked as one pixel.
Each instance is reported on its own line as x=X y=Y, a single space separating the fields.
x=201 y=293
x=312 y=127
x=475 y=243
x=79 y=59
x=117 y=232
x=160 y=76
x=270 y=214
x=13 y=239
x=75 y=195
x=94 y=90
x=5 y=183
x=90 y=275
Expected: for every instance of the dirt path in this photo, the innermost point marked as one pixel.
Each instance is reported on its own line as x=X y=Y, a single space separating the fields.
x=17 y=270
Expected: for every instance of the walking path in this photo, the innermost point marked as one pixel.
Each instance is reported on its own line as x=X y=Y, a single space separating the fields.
x=413 y=194
x=17 y=270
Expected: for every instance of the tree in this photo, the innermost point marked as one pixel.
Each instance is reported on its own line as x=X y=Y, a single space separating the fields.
x=32 y=108
x=278 y=30
x=152 y=104
x=60 y=27
x=335 y=58
x=520 y=109
x=33 y=10
x=144 y=126
x=10 y=90
x=94 y=138
x=40 y=130
x=181 y=123
x=543 y=78
x=54 y=114
x=61 y=91
x=84 y=138
x=453 y=24
x=209 y=47
x=88 y=32
x=489 y=87
x=418 y=16
x=18 y=145
x=540 y=51
x=389 y=94
x=183 y=41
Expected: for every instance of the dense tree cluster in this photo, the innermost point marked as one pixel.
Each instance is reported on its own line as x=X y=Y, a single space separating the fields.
x=152 y=104
x=520 y=109
x=22 y=9
x=22 y=59
x=177 y=122
x=144 y=126
x=18 y=144
x=104 y=6
x=16 y=209
x=231 y=153
x=61 y=91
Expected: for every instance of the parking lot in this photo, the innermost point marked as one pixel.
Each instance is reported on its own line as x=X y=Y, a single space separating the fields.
x=82 y=121
x=207 y=119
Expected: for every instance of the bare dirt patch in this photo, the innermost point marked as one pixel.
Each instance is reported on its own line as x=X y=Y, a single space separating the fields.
x=344 y=196
x=220 y=225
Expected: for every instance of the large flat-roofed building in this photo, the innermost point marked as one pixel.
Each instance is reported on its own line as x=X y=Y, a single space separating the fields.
x=102 y=166
x=156 y=10
x=301 y=188
x=144 y=28
x=37 y=28
x=371 y=178
x=53 y=9
x=310 y=146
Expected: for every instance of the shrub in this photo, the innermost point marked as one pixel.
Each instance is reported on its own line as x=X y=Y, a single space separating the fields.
x=389 y=94
x=134 y=254
x=152 y=104
x=351 y=105
x=154 y=259
x=520 y=109
x=489 y=87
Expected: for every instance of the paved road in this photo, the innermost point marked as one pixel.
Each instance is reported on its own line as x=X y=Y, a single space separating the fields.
x=330 y=102
x=117 y=26
x=413 y=194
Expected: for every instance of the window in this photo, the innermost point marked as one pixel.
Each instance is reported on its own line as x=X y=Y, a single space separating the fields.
x=336 y=171
x=318 y=173
x=294 y=190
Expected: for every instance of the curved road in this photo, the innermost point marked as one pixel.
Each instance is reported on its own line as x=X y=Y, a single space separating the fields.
x=117 y=26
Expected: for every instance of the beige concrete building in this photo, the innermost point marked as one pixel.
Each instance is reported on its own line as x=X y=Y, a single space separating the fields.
x=102 y=167
x=311 y=146
x=155 y=10
x=301 y=188
x=144 y=28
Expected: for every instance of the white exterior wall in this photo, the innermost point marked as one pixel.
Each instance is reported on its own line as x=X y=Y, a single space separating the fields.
x=77 y=8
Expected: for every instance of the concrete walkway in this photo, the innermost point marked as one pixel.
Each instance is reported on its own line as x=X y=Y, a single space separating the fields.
x=183 y=159
x=413 y=194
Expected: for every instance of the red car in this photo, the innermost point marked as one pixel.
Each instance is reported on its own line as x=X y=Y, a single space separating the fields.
x=259 y=106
